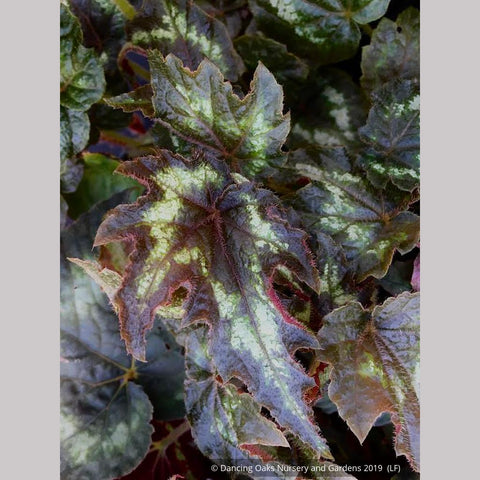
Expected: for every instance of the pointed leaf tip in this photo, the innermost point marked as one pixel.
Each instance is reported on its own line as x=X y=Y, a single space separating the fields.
x=223 y=240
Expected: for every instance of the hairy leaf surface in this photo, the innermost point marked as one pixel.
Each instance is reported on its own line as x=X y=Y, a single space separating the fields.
x=375 y=358
x=82 y=81
x=394 y=51
x=184 y=29
x=369 y=224
x=202 y=108
x=222 y=239
x=392 y=134
x=105 y=412
x=325 y=30
x=222 y=418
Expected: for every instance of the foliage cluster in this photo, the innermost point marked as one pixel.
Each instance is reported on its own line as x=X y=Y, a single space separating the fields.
x=239 y=238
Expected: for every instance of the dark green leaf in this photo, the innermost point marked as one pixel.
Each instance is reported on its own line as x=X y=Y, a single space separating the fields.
x=74 y=135
x=397 y=279
x=375 y=358
x=103 y=27
x=105 y=413
x=98 y=183
x=74 y=132
x=392 y=136
x=82 y=81
x=231 y=12
x=71 y=172
x=368 y=224
x=325 y=30
x=334 y=272
x=139 y=99
x=394 y=51
x=222 y=239
x=182 y=28
x=274 y=55
x=330 y=111
x=105 y=429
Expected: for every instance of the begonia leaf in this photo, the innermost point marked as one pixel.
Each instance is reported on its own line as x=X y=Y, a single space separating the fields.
x=184 y=29
x=222 y=418
x=105 y=412
x=375 y=358
x=392 y=136
x=74 y=135
x=231 y=12
x=326 y=30
x=332 y=109
x=103 y=27
x=369 y=224
x=394 y=51
x=274 y=55
x=82 y=81
x=222 y=239
x=397 y=279
x=334 y=272
x=202 y=108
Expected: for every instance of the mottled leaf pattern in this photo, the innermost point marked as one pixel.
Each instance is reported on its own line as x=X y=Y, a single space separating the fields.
x=184 y=29
x=369 y=224
x=74 y=134
x=392 y=136
x=331 y=113
x=394 y=51
x=375 y=357
x=325 y=30
x=254 y=274
x=222 y=239
x=105 y=412
x=202 y=108
x=222 y=418
x=334 y=272
x=82 y=81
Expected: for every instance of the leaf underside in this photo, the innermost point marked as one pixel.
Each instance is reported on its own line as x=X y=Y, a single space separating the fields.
x=222 y=239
